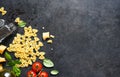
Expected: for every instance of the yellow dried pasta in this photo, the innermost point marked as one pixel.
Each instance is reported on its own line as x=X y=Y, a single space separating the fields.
x=3 y=11
x=26 y=47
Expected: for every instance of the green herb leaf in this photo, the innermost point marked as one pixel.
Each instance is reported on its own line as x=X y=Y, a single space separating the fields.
x=16 y=70
x=48 y=63
x=17 y=62
x=22 y=24
x=11 y=63
x=8 y=56
x=54 y=72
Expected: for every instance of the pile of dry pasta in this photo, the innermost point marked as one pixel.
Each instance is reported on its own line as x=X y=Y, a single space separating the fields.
x=26 y=47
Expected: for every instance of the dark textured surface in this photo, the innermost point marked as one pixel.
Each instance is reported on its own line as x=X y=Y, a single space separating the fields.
x=87 y=42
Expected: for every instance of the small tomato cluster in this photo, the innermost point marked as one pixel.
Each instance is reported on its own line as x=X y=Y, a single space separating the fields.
x=37 y=71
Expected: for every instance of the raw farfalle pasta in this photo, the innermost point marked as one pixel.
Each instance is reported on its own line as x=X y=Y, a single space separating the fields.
x=3 y=11
x=26 y=47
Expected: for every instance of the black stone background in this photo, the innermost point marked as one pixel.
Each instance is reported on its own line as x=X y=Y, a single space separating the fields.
x=87 y=42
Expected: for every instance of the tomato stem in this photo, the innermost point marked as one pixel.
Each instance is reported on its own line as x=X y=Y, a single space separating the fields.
x=39 y=72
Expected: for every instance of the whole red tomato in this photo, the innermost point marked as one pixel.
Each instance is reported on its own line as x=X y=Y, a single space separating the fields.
x=31 y=73
x=37 y=67
x=43 y=74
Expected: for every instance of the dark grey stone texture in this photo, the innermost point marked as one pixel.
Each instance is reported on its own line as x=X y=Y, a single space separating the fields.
x=87 y=42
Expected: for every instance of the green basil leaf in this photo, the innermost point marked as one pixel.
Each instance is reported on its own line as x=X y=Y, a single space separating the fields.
x=22 y=24
x=17 y=62
x=48 y=63
x=8 y=56
x=16 y=70
x=54 y=72
x=11 y=63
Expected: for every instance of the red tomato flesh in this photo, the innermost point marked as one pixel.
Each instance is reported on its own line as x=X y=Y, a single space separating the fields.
x=43 y=74
x=37 y=67
x=31 y=73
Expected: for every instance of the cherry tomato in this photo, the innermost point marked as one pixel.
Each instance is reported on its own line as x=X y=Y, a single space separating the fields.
x=37 y=67
x=31 y=73
x=43 y=74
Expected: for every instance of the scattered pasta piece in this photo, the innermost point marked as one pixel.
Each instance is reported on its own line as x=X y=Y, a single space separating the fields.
x=42 y=55
x=45 y=35
x=50 y=41
x=2 y=59
x=17 y=20
x=3 y=11
x=2 y=49
x=52 y=36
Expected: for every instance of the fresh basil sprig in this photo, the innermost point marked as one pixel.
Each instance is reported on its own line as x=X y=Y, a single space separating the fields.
x=8 y=56
x=16 y=70
x=13 y=63
x=22 y=24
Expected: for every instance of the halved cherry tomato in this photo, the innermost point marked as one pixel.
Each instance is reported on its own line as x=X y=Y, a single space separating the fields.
x=31 y=73
x=37 y=67
x=43 y=74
